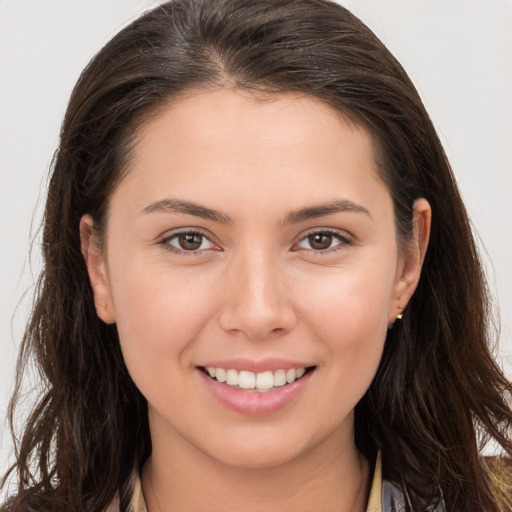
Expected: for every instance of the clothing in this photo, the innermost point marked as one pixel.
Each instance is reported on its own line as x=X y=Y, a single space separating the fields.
x=384 y=496
x=374 y=503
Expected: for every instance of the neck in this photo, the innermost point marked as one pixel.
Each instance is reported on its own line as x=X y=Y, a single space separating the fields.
x=333 y=477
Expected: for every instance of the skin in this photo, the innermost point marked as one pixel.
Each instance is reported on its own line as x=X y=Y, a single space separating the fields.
x=257 y=288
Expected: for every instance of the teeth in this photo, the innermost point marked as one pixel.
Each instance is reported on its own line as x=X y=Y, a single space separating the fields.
x=280 y=378
x=246 y=380
x=263 y=381
x=290 y=375
x=232 y=377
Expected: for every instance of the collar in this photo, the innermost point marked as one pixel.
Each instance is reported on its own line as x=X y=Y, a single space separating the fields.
x=375 y=499
x=137 y=503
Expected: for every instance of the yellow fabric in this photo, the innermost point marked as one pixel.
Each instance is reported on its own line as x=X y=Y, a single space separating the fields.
x=375 y=499
x=138 y=504
x=374 y=502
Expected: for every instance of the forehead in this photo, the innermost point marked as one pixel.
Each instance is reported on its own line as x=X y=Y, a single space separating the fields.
x=229 y=142
x=213 y=117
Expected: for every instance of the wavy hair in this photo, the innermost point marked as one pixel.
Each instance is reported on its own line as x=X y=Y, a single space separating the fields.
x=438 y=394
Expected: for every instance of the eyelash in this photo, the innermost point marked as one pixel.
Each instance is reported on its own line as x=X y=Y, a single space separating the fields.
x=166 y=243
x=343 y=239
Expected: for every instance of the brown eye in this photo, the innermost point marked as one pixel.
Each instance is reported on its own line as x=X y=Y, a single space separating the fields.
x=320 y=241
x=324 y=241
x=189 y=242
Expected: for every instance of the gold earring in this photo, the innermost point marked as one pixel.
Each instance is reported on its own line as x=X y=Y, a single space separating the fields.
x=399 y=316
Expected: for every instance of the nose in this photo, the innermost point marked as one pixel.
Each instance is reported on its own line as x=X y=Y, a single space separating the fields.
x=256 y=301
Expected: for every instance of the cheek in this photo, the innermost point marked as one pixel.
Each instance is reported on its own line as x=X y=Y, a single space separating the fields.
x=350 y=300
x=348 y=313
x=159 y=313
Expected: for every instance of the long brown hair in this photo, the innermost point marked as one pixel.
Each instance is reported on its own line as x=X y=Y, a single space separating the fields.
x=438 y=393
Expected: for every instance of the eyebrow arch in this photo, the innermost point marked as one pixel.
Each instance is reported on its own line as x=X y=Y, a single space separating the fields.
x=335 y=206
x=188 y=208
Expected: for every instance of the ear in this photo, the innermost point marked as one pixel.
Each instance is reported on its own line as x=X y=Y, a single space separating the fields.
x=409 y=269
x=97 y=269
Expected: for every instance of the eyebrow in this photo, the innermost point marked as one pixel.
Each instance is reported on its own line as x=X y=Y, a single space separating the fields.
x=314 y=212
x=189 y=208
x=311 y=212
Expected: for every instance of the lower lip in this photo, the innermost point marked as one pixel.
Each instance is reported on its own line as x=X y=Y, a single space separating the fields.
x=255 y=403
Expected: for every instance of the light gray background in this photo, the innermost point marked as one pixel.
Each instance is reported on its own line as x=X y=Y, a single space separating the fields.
x=458 y=53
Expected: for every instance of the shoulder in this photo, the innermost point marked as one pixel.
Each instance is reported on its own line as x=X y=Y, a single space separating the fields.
x=497 y=466
x=131 y=496
x=114 y=506
x=499 y=473
x=393 y=499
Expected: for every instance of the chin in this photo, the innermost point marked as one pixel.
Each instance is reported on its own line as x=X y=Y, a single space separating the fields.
x=262 y=447
x=255 y=449
x=264 y=458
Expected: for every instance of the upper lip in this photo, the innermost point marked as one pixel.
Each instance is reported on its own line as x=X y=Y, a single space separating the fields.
x=256 y=366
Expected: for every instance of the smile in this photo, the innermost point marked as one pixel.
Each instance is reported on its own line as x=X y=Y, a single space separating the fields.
x=278 y=388
x=257 y=382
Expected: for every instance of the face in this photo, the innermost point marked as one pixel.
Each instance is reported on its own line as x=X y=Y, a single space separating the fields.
x=252 y=240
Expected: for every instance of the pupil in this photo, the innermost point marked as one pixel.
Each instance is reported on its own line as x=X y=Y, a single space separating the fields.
x=190 y=241
x=320 y=241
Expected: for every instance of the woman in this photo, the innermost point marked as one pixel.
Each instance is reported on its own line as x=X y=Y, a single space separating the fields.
x=260 y=286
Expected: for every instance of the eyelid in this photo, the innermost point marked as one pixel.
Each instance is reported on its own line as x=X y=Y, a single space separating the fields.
x=164 y=240
x=346 y=239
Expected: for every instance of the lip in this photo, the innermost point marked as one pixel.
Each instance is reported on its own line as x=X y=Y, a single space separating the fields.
x=257 y=366
x=252 y=403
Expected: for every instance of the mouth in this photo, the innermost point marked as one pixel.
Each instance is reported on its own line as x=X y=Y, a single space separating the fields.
x=261 y=382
